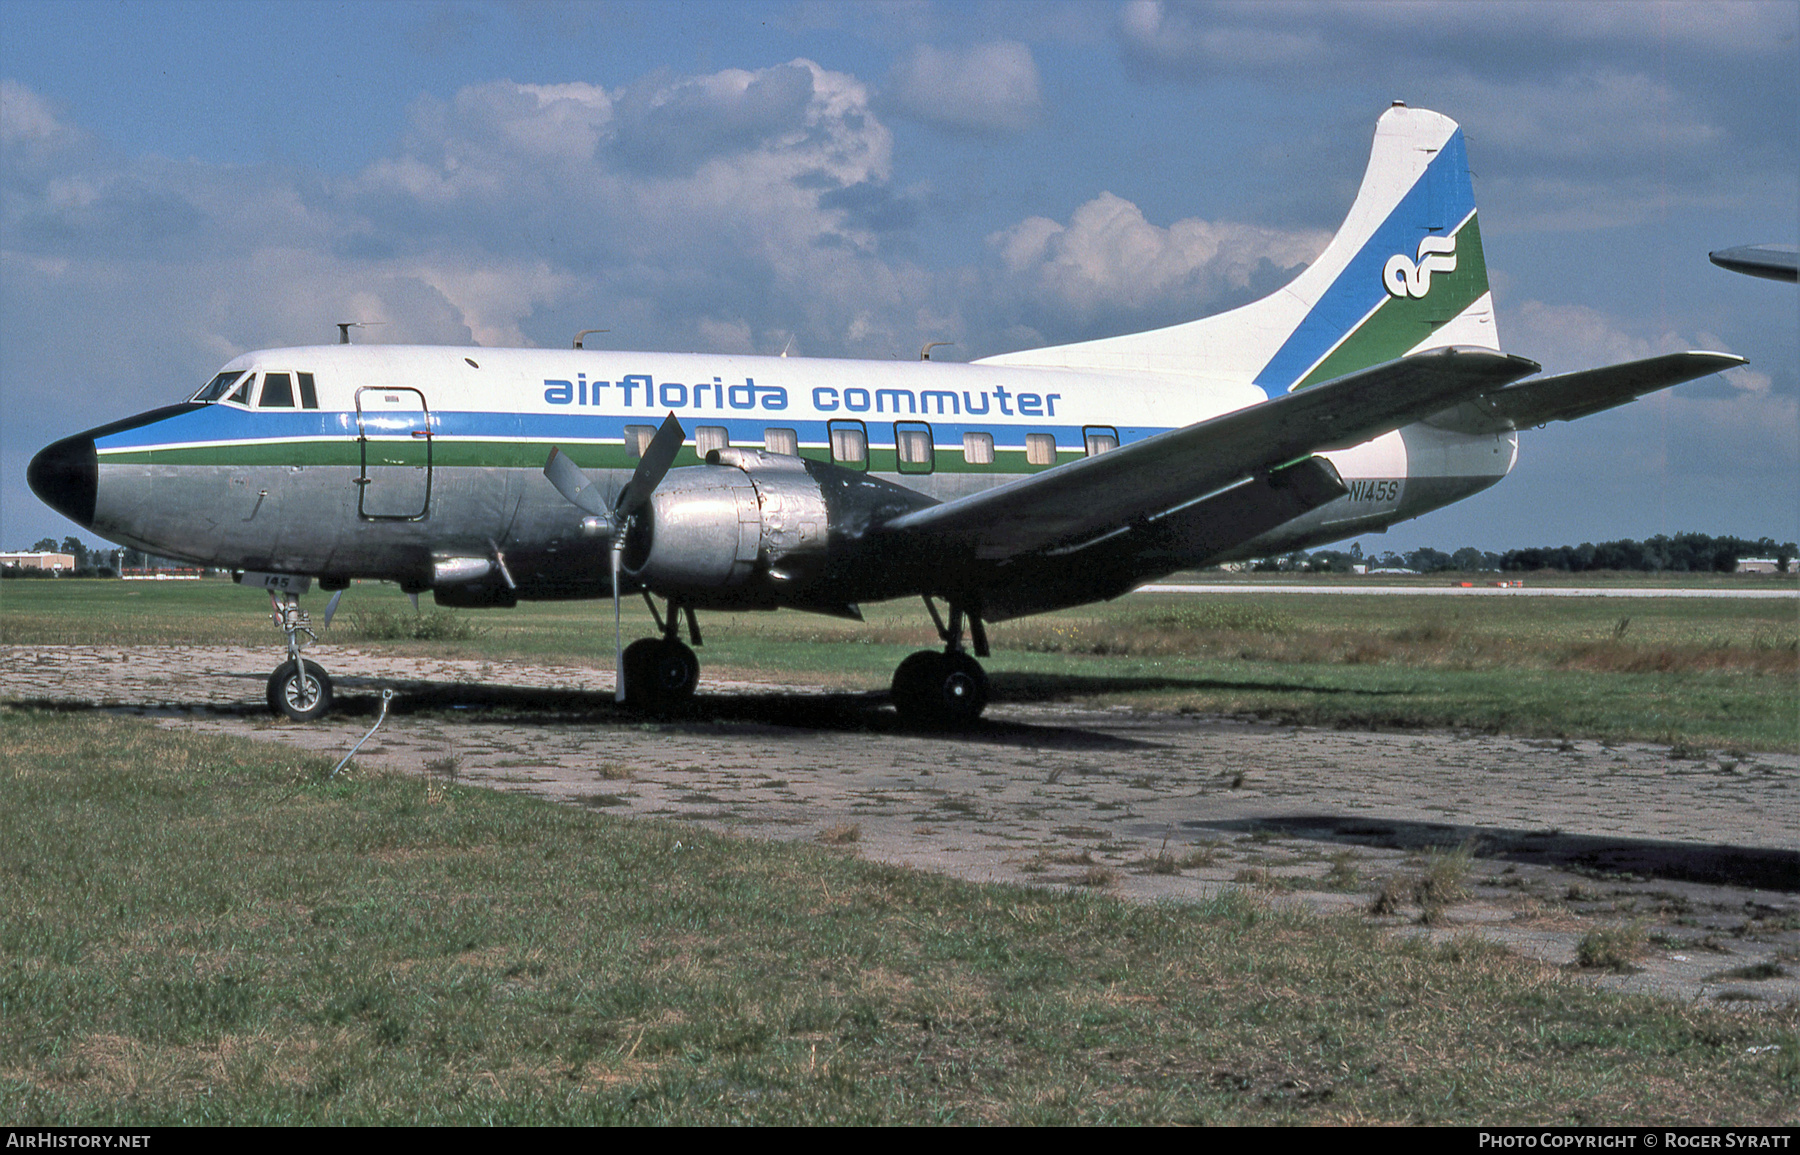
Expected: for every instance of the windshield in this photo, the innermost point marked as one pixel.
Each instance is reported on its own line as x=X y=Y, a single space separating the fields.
x=219 y=386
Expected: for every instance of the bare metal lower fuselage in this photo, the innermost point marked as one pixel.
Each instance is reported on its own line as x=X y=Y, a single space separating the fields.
x=308 y=519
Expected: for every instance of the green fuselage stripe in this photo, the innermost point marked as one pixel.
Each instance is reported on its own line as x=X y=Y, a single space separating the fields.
x=447 y=454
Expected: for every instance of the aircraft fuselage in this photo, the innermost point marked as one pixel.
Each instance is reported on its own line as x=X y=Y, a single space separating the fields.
x=423 y=465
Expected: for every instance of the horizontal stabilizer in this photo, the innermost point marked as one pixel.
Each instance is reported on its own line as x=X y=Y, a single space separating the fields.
x=1566 y=396
x=1774 y=262
x=1074 y=502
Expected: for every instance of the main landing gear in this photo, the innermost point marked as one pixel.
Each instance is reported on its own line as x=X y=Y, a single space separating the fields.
x=948 y=689
x=299 y=689
x=661 y=673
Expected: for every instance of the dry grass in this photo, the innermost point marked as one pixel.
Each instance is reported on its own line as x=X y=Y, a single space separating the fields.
x=1255 y=635
x=843 y=834
x=1612 y=948
x=190 y=939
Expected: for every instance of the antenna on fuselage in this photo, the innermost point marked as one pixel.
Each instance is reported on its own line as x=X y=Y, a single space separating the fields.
x=925 y=351
x=584 y=333
x=344 y=327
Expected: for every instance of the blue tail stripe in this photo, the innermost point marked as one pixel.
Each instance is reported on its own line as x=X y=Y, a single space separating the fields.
x=1437 y=202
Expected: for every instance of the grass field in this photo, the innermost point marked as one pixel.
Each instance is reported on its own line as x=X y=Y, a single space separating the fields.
x=1722 y=673
x=206 y=930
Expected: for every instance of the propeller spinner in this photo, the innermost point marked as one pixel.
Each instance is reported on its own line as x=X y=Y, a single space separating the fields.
x=582 y=493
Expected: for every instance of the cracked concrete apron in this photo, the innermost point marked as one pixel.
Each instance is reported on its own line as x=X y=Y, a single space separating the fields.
x=1702 y=850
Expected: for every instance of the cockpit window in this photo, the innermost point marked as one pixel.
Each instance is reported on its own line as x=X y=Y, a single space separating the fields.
x=217 y=387
x=277 y=391
x=242 y=395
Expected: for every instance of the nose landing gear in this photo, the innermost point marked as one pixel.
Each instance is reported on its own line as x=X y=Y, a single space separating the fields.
x=949 y=689
x=298 y=689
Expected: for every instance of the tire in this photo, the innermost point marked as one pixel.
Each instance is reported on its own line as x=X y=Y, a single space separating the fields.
x=939 y=690
x=659 y=673
x=302 y=698
x=911 y=690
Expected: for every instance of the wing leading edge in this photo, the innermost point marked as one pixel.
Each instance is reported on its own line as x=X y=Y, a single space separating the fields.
x=1567 y=396
x=1095 y=496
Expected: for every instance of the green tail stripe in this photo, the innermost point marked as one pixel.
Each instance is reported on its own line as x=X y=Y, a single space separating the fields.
x=1402 y=322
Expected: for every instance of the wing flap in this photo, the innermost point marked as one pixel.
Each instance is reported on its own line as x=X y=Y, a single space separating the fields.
x=1567 y=396
x=1189 y=536
x=1074 y=502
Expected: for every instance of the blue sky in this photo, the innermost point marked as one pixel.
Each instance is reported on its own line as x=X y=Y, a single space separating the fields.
x=183 y=182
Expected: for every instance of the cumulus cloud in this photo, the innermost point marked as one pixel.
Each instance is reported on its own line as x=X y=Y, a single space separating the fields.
x=1183 y=38
x=1699 y=429
x=983 y=88
x=1585 y=105
x=1109 y=262
x=739 y=209
x=1194 y=38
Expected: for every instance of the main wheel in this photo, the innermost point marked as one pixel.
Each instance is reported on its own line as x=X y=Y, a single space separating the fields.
x=659 y=673
x=301 y=692
x=938 y=690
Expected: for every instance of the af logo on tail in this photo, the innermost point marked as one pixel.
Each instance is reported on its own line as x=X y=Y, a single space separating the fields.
x=1406 y=278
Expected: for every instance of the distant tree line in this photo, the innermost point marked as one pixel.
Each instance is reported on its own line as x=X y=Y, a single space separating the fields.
x=88 y=562
x=1682 y=553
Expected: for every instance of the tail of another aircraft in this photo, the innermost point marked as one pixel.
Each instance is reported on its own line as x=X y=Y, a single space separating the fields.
x=1404 y=273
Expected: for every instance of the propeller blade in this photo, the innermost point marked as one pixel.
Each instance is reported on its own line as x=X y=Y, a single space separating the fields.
x=655 y=463
x=331 y=608
x=618 y=551
x=573 y=484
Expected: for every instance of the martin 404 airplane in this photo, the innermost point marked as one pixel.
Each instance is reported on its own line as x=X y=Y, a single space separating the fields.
x=1370 y=390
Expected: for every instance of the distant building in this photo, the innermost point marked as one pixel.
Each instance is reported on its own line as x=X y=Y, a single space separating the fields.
x=56 y=562
x=1758 y=565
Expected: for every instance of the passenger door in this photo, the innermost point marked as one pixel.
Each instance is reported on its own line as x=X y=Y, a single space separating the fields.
x=394 y=433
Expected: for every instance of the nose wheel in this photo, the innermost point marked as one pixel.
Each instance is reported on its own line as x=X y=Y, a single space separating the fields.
x=300 y=690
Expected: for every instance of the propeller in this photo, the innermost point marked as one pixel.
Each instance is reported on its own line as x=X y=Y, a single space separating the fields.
x=582 y=493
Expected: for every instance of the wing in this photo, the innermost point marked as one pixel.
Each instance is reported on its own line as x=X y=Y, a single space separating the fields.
x=1097 y=495
x=1566 y=396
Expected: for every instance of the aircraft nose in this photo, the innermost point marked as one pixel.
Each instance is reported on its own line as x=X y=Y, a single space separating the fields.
x=65 y=474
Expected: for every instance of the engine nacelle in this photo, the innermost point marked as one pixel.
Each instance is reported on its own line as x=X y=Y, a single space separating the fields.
x=743 y=517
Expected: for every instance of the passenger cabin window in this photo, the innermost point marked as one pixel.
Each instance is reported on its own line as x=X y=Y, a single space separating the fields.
x=912 y=443
x=850 y=444
x=277 y=392
x=1100 y=439
x=1040 y=448
x=637 y=439
x=782 y=441
x=710 y=437
x=978 y=448
x=219 y=386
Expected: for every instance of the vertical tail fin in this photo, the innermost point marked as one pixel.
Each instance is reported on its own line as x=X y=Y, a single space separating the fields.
x=1405 y=272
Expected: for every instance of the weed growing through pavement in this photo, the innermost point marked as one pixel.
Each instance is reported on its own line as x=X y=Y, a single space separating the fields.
x=1611 y=948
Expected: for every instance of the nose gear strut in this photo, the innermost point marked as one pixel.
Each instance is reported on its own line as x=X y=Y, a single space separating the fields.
x=299 y=689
